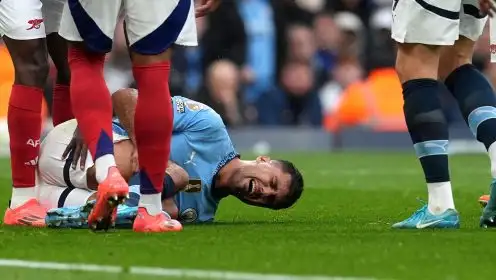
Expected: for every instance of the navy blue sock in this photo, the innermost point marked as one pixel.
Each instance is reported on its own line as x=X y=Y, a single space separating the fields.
x=477 y=102
x=427 y=127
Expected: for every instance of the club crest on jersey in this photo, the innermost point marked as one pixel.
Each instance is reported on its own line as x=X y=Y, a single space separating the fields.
x=195 y=106
x=188 y=216
x=180 y=106
x=194 y=185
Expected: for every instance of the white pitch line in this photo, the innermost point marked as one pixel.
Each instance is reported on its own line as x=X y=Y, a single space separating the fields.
x=165 y=272
x=60 y=266
x=227 y=275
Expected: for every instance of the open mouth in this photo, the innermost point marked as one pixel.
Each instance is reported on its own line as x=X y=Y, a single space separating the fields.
x=251 y=187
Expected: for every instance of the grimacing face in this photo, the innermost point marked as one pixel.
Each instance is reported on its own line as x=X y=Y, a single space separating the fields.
x=262 y=183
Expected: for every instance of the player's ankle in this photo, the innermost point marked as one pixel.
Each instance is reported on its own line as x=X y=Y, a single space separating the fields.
x=152 y=203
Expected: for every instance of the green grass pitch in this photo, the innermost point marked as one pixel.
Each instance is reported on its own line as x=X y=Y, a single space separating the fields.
x=341 y=227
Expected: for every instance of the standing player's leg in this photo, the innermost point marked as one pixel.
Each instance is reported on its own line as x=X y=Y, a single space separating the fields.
x=152 y=27
x=417 y=65
x=23 y=31
x=61 y=97
x=57 y=48
x=89 y=27
x=473 y=92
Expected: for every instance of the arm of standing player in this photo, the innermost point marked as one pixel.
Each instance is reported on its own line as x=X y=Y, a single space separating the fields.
x=488 y=7
x=206 y=6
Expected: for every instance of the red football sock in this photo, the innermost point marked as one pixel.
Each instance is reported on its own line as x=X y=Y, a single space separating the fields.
x=24 y=121
x=61 y=104
x=90 y=99
x=153 y=124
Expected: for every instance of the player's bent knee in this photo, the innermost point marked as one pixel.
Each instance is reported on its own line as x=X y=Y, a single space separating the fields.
x=417 y=61
x=31 y=66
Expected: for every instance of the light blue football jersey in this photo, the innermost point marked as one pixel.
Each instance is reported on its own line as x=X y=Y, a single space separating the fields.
x=202 y=146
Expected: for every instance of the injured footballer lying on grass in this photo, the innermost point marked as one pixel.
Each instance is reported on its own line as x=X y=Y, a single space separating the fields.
x=204 y=168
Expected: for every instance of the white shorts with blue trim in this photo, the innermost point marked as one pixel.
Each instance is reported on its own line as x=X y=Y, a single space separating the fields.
x=436 y=22
x=52 y=169
x=58 y=185
x=152 y=26
x=21 y=19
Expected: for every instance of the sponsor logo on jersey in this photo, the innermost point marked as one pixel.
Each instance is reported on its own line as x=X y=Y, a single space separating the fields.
x=180 y=106
x=188 y=216
x=194 y=185
x=35 y=23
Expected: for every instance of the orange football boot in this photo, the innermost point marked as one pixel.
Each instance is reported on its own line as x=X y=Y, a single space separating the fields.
x=111 y=192
x=30 y=213
x=483 y=200
x=145 y=222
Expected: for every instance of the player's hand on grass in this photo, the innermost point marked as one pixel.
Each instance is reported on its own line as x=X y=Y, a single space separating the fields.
x=488 y=7
x=79 y=149
x=206 y=6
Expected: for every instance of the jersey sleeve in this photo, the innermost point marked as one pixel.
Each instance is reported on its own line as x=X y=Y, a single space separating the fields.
x=195 y=118
x=119 y=133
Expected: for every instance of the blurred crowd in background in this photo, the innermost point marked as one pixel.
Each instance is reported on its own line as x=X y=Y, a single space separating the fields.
x=320 y=63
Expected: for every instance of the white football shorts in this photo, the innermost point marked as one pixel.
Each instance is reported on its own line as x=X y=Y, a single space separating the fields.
x=152 y=26
x=21 y=19
x=52 y=14
x=58 y=184
x=52 y=169
x=436 y=22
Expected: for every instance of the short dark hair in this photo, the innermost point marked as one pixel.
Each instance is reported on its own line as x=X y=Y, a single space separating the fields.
x=295 y=186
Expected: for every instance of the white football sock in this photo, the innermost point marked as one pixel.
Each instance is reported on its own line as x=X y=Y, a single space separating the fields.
x=440 y=197
x=491 y=152
x=152 y=203
x=102 y=165
x=21 y=196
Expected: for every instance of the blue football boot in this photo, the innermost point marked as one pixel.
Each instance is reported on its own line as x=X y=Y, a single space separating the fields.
x=423 y=218
x=77 y=217
x=69 y=217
